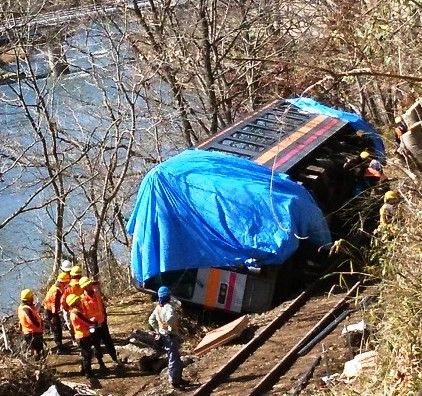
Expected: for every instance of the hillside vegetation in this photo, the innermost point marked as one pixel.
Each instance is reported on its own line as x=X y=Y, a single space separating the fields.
x=171 y=75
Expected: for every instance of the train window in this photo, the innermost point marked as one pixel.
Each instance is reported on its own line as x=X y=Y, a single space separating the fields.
x=253 y=138
x=181 y=282
x=290 y=117
x=229 y=152
x=243 y=145
x=222 y=294
x=272 y=124
x=292 y=110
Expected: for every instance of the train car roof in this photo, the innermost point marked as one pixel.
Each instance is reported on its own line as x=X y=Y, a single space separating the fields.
x=277 y=136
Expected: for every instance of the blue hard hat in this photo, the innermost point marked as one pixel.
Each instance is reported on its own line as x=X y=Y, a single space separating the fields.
x=163 y=291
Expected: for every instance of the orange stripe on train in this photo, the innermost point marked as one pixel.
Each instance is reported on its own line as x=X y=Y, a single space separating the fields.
x=212 y=287
x=270 y=154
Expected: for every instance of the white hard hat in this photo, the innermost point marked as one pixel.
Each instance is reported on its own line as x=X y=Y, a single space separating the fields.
x=66 y=266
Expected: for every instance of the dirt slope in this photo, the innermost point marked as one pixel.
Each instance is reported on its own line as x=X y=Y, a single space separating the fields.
x=132 y=313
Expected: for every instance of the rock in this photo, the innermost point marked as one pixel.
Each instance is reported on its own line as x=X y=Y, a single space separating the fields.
x=187 y=360
x=354 y=367
x=143 y=338
x=51 y=391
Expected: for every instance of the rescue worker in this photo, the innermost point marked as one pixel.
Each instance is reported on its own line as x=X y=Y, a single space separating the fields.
x=358 y=164
x=387 y=210
x=356 y=167
x=164 y=320
x=374 y=174
x=93 y=308
x=66 y=266
x=52 y=307
x=83 y=330
x=72 y=288
x=31 y=324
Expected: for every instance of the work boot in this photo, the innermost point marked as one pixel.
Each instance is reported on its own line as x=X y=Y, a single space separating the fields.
x=103 y=367
x=117 y=363
x=181 y=384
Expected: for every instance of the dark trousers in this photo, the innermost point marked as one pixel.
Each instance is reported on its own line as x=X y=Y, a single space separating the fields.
x=96 y=343
x=102 y=333
x=55 y=326
x=34 y=342
x=85 y=344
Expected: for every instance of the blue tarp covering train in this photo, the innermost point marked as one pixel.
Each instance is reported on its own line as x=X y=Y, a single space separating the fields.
x=204 y=209
x=354 y=120
x=201 y=209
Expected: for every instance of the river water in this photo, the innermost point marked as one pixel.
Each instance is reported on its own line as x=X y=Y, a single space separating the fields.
x=21 y=241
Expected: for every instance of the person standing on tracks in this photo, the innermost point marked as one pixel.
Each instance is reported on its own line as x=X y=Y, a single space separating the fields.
x=72 y=288
x=30 y=323
x=93 y=307
x=52 y=309
x=164 y=320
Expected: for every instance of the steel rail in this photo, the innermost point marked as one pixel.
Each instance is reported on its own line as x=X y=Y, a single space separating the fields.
x=288 y=360
x=254 y=344
x=236 y=360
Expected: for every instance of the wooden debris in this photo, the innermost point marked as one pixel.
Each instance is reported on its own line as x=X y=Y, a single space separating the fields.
x=222 y=335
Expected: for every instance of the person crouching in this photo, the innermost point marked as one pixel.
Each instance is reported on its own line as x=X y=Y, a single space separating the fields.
x=83 y=328
x=31 y=324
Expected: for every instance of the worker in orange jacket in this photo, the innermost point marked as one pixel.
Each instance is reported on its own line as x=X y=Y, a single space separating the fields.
x=72 y=288
x=93 y=307
x=31 y=324
x=84 y=328
x=52 y=309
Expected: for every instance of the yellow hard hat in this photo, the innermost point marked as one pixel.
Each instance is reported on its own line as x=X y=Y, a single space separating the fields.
x=390 y=196
x=72 y=299
x=63 y=277
x=27 y=295
x=84 y=282
x=364 y=155
x=76 y=271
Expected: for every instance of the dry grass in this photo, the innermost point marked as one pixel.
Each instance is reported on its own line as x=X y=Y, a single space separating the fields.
x=398 y=317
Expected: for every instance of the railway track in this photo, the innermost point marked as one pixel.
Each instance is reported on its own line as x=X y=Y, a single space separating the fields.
x=259 y=365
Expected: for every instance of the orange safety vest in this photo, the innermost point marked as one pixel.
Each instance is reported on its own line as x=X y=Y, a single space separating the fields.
x=72 y=288
x=52 y=300
x=369 y=172
x=80 y=323
x=93 y=307
x=29 y=319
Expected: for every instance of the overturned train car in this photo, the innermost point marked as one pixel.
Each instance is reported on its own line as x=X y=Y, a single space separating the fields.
x=310 y=143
